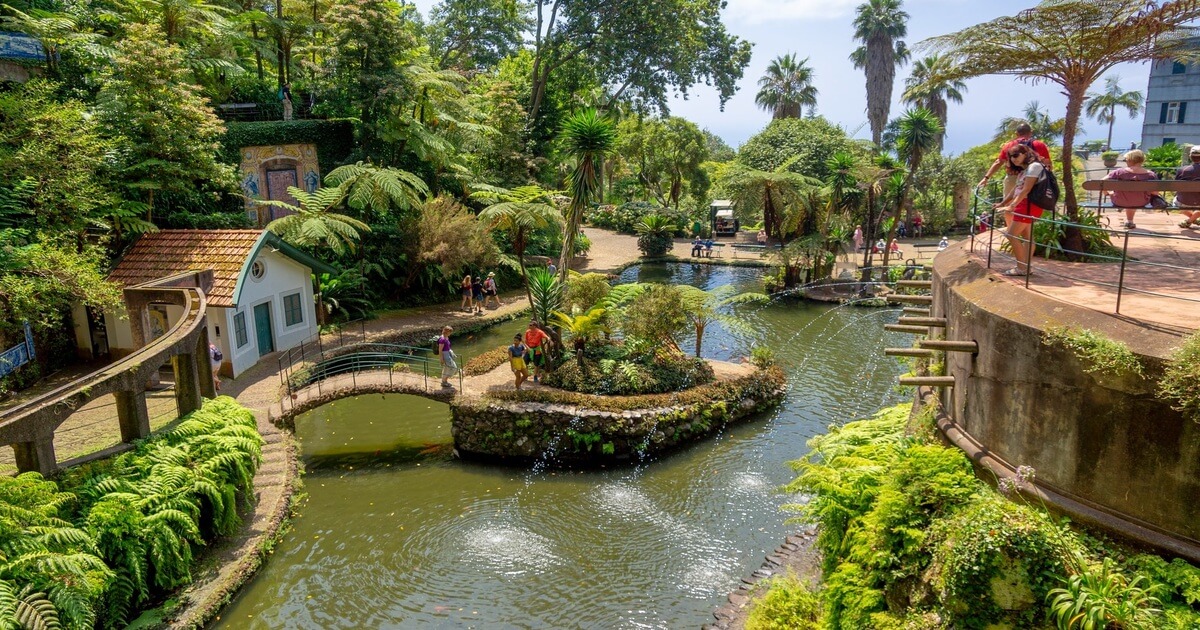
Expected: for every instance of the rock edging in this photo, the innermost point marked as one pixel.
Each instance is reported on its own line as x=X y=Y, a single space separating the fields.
x=797 y=554
x=580 y=435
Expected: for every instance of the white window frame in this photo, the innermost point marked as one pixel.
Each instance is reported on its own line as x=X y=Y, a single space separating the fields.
x=299 y=295
x=1173 y=113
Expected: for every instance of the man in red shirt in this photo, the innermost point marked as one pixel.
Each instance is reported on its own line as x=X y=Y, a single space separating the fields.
x=538 y=342
x=1011 y=173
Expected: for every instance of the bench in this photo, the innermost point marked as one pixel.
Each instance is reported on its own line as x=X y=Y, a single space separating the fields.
x=1154 y=186
x=717 y=248
x=239 y=111
x=752 y=247
x=923 y=248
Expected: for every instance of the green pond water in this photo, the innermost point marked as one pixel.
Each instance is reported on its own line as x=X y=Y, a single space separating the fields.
x=397 y=534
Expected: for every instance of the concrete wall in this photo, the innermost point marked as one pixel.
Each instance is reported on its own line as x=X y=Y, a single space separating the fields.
x=1105 y=440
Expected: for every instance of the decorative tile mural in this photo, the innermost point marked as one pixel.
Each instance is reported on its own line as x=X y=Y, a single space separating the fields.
x=267 y=172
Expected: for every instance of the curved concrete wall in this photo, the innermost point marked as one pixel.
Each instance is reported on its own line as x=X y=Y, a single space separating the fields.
x=1103 y=440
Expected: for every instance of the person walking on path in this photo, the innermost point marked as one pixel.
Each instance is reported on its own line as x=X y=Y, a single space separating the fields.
x=215 y=356
x=1189 y=202
x=465 y=287
x=285 y=95
x=489 y=290
x=551 y=267
x=538 y=342
x=1012 y=172
x=858 y=238
x=446 y=356
x=1018 y=212
x=1133 y=171
x=477 y=295
x=516 y=358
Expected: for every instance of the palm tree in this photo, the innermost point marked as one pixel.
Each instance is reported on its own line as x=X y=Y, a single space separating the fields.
x=1038 y=117
x=654 y=234
x=590 y=139
x=919 y=131
x=371 y=188
x=583 y=328
x=786 y=87
x=313 y=223
x=879 y=25
x=518 y=211
x=926 y=87
x=778 y=193
x=1103 y=107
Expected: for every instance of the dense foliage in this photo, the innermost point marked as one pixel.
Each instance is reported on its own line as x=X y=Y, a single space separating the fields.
x=92 y=549
x=909 y=535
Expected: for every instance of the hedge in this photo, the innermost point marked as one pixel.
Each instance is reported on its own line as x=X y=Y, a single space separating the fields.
x=334 y=138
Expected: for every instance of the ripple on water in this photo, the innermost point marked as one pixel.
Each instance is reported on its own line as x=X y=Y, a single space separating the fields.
x=510 y=550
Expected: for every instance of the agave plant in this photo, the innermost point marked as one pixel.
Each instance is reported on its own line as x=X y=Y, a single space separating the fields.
x=589 y=138
x=654 y=234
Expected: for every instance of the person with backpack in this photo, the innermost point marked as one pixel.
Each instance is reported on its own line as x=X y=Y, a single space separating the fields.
x=1011 y=171
x=1038 y=191
x=489 y=290
x=215 y=356
x=1130 y=201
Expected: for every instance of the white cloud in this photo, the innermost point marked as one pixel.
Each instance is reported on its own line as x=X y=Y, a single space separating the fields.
x=764 y=11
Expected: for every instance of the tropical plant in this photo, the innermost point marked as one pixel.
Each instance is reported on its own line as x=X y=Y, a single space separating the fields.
x=374 y=189
x=656 y=317
x=548 y=294
x=1071 y=43
x=654 y=235
x=341 y=294
x=518 y=211
x=1103 y=107
x=704 y=307
x=588 y=138
x=926 y=88
x=919 y=132
x=583 y=328
x=1102 y=597
x=1038 y=118
x=879 y=25
x=315 y=223
x=776 y=194
x=786 y=87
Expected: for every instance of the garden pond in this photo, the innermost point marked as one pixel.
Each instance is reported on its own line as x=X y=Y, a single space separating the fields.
x=397 y=533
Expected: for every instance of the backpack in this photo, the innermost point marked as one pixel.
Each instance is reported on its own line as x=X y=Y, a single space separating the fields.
x=1044 y=193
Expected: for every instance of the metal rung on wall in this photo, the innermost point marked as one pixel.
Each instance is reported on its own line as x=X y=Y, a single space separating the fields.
x=927 y=381
x=915 y=310
x=949 y=346
x=911 y=299
x=916 y=330
x=909 y=352
x=936 y=322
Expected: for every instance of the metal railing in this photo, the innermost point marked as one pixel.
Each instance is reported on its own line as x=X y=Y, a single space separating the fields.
x=1127 y=266
x=335 y=360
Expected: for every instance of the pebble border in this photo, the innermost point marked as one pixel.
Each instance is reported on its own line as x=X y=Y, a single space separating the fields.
x=796 y=550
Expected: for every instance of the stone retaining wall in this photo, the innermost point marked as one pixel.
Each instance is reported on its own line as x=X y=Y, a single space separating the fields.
x=574 y=435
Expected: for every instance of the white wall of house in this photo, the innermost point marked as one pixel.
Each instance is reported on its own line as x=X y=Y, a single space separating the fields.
x=282 y=277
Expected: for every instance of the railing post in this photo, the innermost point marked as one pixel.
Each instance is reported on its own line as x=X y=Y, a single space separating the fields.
x=991 y=236
x=1121 y=279
x=974 y=215
x=1031 y=244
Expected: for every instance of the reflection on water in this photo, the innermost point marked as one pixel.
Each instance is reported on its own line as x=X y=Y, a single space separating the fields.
x=397 y=534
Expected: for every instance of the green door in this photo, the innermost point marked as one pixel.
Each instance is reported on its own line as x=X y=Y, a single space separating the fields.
x=262 y=328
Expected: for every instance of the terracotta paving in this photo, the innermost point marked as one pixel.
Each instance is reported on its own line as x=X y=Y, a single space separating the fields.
x=1162 y=278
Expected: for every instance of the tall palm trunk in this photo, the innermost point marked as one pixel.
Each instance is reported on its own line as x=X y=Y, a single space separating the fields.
x=1072 y=237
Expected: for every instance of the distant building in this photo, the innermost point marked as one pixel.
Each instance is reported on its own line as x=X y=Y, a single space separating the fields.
x=21 y=56
x=1172 y=103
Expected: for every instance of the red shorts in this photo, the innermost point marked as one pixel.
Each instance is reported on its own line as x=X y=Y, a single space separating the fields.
x=1025 y=212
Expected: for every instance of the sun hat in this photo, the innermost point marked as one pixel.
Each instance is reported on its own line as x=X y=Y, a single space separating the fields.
x=1195 y=150
x=492 y=274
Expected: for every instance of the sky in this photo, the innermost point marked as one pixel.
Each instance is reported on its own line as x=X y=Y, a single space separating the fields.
x=822 y=30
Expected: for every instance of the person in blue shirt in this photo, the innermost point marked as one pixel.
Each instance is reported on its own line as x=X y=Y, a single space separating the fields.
x=708 y=245
x=697 y=245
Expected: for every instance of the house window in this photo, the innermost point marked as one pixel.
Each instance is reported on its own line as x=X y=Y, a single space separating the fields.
x=258 y=269
x=1178 y=68
x=239 y=329
x=293 y=313
x=1167 y=141
x=1172 y=113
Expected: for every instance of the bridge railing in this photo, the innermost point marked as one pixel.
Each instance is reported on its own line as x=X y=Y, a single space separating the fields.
x=338 y=360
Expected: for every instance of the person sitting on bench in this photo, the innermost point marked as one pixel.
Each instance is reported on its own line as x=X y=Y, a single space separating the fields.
x=697 y=245
x=708 y=246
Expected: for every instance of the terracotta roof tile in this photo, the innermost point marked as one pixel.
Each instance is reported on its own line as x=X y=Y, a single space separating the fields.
x=168 y=252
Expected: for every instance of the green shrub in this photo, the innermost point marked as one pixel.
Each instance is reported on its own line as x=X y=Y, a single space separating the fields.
x=758 y=386
x=788 y=604
x=762 y=357
x=625 y=217
x=1103 y=597
x=334 y=139
x=486 y=362
x=1178 y=382
x=654 y=234
x=1098 y=353
x=625 y=377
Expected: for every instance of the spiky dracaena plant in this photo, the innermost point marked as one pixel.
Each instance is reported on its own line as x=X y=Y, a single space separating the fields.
x=589 y=138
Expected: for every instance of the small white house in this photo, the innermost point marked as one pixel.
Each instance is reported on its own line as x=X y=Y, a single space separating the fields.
x=261 y=300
